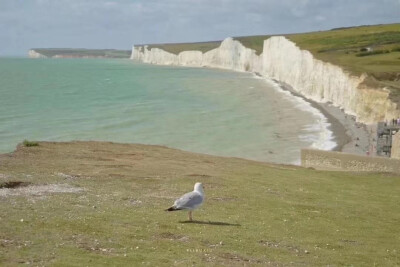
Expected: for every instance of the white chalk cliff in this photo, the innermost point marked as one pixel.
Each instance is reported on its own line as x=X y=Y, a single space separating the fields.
x=282 y=60
x=33 y=54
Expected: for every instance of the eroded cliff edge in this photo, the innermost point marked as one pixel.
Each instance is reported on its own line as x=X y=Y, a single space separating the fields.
x=282 y=60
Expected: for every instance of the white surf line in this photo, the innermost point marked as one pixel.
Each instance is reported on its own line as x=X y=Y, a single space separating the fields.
x=325 y=139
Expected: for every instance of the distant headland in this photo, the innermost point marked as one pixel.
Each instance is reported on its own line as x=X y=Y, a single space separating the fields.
x=77 y=53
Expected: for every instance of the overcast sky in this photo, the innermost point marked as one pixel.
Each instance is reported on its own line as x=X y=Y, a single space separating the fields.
x=119 y=24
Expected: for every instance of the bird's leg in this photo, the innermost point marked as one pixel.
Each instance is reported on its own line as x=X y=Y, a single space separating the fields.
x=190 y=216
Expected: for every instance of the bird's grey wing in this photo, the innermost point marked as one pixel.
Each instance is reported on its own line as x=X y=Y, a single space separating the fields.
x=189 y=200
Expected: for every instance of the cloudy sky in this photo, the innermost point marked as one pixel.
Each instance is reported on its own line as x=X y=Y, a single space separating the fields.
x=120 y=23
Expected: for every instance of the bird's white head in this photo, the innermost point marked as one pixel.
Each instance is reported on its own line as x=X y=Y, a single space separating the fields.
x=199 y=188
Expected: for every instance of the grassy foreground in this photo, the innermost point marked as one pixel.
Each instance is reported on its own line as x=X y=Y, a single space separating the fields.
x=102 y=204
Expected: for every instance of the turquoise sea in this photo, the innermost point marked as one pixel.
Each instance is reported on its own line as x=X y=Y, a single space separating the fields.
x=195 y=109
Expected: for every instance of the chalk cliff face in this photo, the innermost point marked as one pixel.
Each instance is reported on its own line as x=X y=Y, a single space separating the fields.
x=284 y=61
x=190 y=58
x=34 y=54
x=230 y=55
x=324 y=82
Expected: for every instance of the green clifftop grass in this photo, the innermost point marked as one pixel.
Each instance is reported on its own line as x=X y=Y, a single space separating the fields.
x=179 y=47
x=341 y=47
x=255 y=213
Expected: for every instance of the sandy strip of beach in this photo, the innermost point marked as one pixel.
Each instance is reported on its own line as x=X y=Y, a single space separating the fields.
x=349 y=135
x=360 y=137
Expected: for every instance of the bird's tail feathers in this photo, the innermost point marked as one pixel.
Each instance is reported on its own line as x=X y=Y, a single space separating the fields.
x=172 y=209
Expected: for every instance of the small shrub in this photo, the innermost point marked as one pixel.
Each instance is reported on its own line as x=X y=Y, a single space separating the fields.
x=30 y=143
x=396 y=49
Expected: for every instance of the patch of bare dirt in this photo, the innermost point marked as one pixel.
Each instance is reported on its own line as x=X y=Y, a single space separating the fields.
x=174 y=237
x=94 y=245
x=66 y=176
x=39 y=190
x=291 y=248
x=240 y=259
x=13 y=184
x=3 y=176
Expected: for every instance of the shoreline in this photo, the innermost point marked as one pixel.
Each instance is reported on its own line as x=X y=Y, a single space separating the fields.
x=349 y=135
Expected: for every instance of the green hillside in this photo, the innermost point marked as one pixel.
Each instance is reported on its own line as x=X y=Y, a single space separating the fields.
x=102 y=204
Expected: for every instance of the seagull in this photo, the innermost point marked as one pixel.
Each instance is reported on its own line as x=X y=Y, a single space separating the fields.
x=189 y=201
